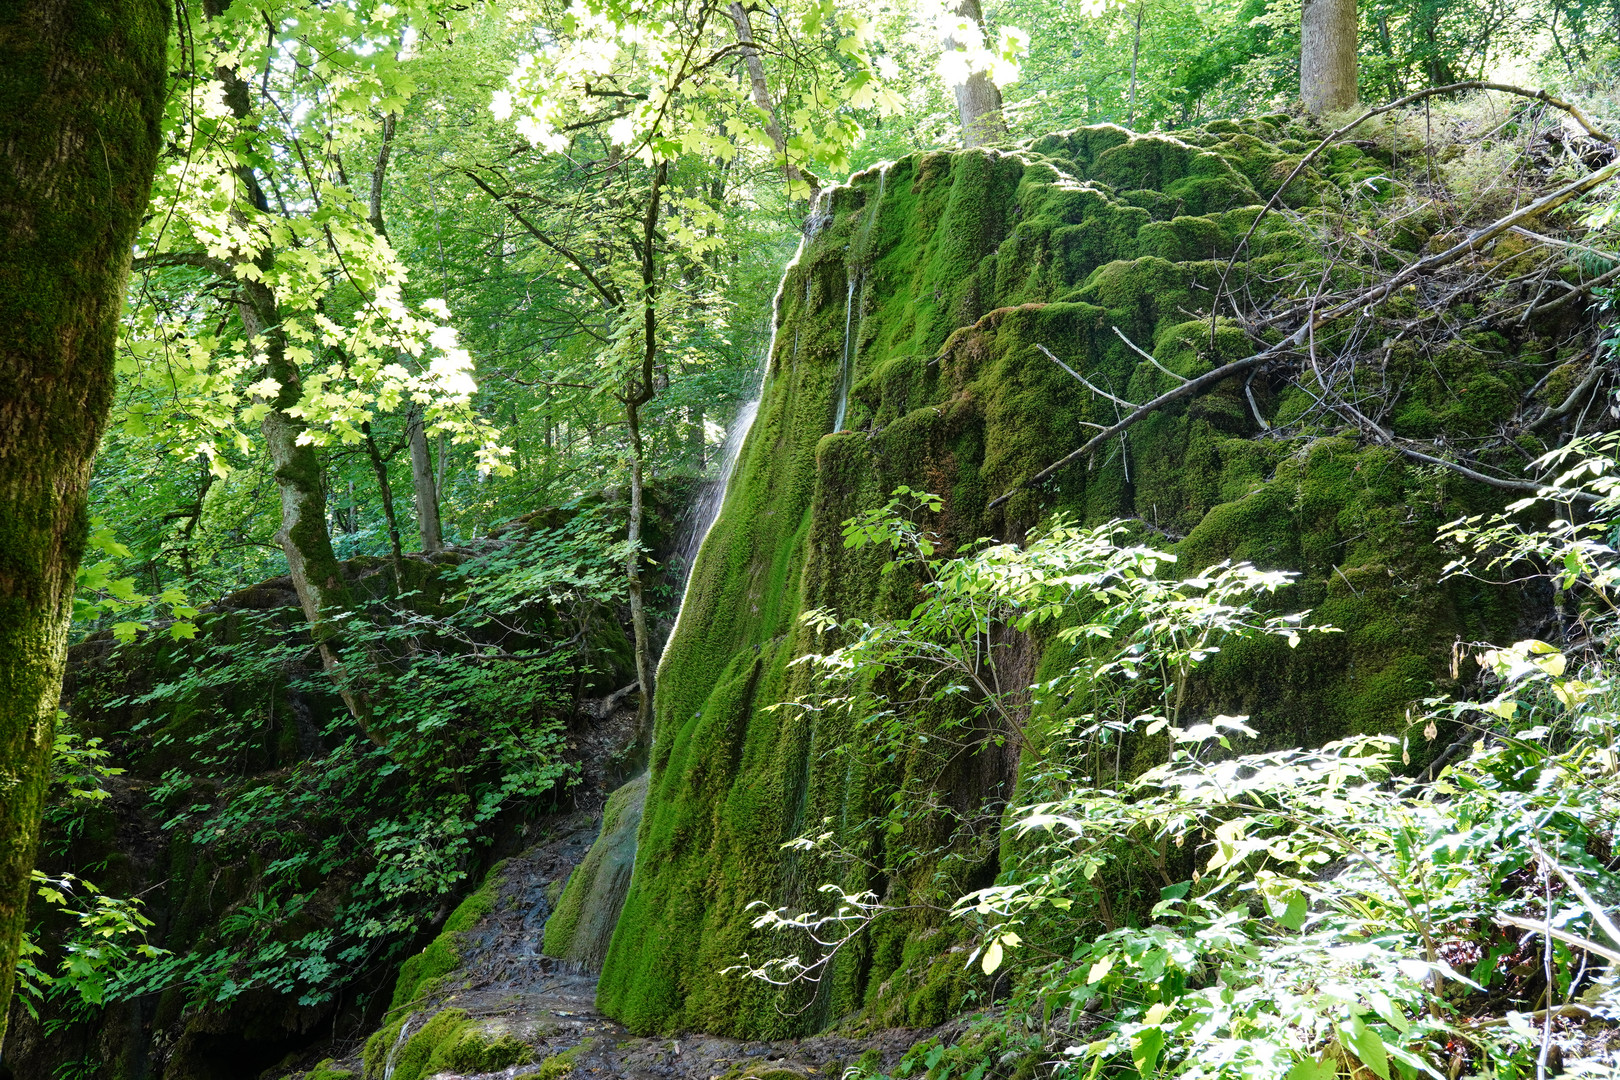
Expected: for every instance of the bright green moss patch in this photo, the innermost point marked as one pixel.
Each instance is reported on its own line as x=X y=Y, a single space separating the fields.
x=448 y=1042
x=942 y=278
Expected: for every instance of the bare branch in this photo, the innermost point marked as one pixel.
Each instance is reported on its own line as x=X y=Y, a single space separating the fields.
x=1082 y=378
x=1144 y=354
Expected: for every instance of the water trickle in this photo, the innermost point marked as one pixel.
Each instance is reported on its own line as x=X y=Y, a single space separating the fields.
x=393 y=1051
x=859 y=257
x=713 y=495
x=846 y=374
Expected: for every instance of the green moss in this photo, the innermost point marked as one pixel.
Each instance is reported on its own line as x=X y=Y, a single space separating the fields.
x=559 y=1065
x=949 y=270
x=329 y=1070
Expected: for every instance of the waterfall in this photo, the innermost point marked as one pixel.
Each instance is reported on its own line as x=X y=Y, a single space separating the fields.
x=708 y=503
x=859 y=258
x=393 y=1051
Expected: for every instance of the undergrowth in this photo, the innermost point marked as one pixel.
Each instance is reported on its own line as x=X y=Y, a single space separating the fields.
x=1225 y=912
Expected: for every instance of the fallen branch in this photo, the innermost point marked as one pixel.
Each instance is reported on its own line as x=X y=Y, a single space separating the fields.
x=1186 y=389
x=1569 y=403
x=1095 y=390
x=1144 y=354
x=1579 y=290
x=1560 y=935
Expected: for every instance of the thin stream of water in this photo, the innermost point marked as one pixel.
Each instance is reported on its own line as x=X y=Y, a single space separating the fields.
x=393 y=1051
x=857 y=278
x=846 y=373
x=714 y=494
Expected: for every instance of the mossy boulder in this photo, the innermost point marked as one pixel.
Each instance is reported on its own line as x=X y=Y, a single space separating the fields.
x=582 y=923
x=450 y=1041
x=936 y=281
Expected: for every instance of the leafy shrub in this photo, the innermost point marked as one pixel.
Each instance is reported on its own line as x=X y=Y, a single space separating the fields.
x=1315 y=912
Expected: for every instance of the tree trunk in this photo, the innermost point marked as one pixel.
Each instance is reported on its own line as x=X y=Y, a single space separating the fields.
x=82 y=84
x=1327 y=56
x=632 y=572
x=304 y=537
x=978 y=102
x=427 y=492
x=762 y=98
x=316 y=574
x=379 y=468
x=641 y=391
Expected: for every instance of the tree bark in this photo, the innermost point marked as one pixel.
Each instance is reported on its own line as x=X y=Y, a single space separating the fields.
x=762 y=98
x=425 y=490
x=1327 y=56
x=642 y=390
x=317 y=576
x=82 y=85
x=379 y=469
x=304 y=537
x=978 y=102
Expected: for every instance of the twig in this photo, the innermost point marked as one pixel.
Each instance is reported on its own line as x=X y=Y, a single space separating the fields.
x=1579 y=290
x=1540 y=95
x=1541 y=927
x=1570 y=402
x=1144 y=354
x=1186 y=389
x=1580 y=892
x=1248 y=392
x=1082 y=378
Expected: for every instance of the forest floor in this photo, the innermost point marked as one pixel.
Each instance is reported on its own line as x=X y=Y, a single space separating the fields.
x=509 y=988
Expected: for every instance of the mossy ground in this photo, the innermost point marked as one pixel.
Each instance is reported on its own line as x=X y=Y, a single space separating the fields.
x=948 y=269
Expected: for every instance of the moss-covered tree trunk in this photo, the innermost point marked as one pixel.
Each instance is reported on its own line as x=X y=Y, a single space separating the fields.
x=81 y=105
x=425 y=490
x=316 y=574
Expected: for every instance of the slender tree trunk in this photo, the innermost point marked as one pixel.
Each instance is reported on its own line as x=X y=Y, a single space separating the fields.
x=641 y=391
x=81 y=103
x=1136 y=52
x=379 y=468
x=304 y=537
x=1327 y=56
x=632 y=571
x=439 y=460
x=426 y=491
x=978 y=102
x=762 y=98
x=317 y=576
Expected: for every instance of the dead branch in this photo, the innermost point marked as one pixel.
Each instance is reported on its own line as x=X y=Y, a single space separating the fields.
x=1083 y=381
x=1186 y=389
x=1568 y=405
x=1144 y=354
x=1454 y=88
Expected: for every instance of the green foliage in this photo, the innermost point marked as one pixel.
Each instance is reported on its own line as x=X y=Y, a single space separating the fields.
x=98 y=936
x=1316 y=913
x=333 y=861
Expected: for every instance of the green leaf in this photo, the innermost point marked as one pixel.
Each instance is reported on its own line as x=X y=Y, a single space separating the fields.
x=1145 y=1049
x=1368 y=1046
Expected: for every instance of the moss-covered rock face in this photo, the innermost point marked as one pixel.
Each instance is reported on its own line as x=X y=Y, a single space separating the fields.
x=582 y=922
x=921 y=297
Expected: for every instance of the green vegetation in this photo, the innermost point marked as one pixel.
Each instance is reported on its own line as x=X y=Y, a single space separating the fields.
x=982 y=709
x=1214 y=910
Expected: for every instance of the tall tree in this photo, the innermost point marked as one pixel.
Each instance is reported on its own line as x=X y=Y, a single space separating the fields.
x=1327 y=55
x=82 y=87
x=978 y=99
